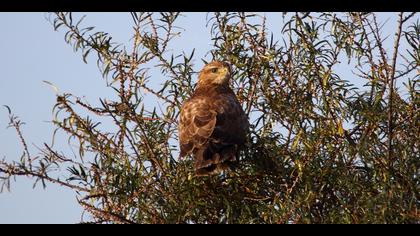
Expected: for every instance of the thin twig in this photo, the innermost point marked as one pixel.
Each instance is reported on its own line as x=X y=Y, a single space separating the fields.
x=408 y=17
x=391 y=80
x=111 y=216
x=14 y=122
x=11 y=170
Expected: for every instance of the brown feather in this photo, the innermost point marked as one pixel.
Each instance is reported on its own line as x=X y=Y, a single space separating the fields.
x=212 y=124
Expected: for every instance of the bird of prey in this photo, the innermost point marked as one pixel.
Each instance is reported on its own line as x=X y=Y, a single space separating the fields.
x=212 y=125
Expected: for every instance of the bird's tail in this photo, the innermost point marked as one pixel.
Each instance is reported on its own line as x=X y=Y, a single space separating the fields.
x=210 y=160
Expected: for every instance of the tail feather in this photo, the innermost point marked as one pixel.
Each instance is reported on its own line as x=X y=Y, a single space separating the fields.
x=210 y=160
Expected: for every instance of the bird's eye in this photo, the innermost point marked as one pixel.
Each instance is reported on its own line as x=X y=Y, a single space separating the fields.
x=214 y=70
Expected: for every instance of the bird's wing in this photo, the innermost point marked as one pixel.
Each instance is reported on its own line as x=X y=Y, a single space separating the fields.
x=197 y=122
x=232 y=123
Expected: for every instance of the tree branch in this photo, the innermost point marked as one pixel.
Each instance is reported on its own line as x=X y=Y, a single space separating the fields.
x=391 y=80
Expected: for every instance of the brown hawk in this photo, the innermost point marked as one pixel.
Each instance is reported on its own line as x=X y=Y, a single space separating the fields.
x=212 y=124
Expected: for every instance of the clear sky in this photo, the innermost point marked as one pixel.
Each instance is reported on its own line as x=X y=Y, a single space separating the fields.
x=31 y=51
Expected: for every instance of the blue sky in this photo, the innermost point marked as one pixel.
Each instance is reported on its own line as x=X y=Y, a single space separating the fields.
x=32 y=52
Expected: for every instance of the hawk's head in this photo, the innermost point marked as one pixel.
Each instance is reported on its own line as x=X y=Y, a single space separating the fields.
x=214 y=73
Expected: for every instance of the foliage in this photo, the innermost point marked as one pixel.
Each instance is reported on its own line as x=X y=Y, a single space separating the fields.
x=321 y=150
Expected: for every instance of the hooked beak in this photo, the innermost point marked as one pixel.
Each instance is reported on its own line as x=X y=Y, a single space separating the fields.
x=225 y=74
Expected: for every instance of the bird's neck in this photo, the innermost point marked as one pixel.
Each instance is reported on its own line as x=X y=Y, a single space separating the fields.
x=212 y=89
